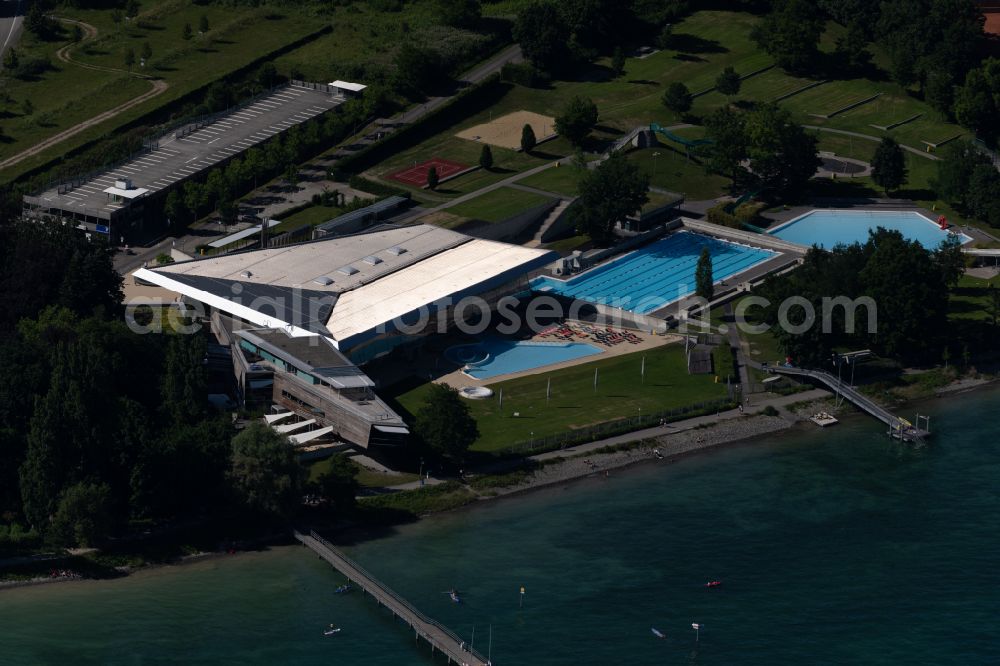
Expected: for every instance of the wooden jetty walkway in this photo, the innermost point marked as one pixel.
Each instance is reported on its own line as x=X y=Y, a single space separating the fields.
x=898 y=428
x=441 y=638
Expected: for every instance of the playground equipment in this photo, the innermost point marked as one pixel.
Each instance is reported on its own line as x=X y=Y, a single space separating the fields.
x=655 y=128
x=687 y=143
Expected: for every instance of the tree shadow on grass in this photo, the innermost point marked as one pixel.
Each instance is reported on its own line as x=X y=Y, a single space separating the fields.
x=915 y=194
x=644 y=82
x=689 y=58
x=841 y=189
x=593 y=74
x=687 y=43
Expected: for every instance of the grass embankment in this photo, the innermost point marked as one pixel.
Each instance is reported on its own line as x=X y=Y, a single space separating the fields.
x=574 y=403
x=431 y=499
x=972 y=299
x=365 y=477
x=673 y=170
x=67 y=94
x=563 y=179
x=703 y=45
x=499 y=205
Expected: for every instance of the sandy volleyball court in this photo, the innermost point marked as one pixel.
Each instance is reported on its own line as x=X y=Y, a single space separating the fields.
x=505 y=131
x=992 y=26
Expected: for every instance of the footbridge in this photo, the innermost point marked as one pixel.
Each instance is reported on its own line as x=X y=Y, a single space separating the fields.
x=898 y=427
x=441 y=638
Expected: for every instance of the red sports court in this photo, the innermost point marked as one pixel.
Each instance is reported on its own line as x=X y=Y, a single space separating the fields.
x=416 y=175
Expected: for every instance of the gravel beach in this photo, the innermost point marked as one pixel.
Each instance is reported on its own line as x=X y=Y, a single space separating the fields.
x=670 y=445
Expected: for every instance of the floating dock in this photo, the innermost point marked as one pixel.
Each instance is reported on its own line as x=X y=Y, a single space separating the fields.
x=899 y=428
x=822 y=419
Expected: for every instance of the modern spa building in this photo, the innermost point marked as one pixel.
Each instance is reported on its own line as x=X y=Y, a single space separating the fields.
x=301 y=319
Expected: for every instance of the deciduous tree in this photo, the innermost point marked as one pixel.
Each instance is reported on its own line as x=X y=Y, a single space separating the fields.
x=889 y=165
x=486 y=157
x=542 y=34
x=608 y=195
x=577 y=119
x=528 y=140
x=704 y=282
x=264 y=471
x=618 y=61
x=728 y=82
x=677 y=98
x=790 y=33
x=445 y=424
x=83 y=516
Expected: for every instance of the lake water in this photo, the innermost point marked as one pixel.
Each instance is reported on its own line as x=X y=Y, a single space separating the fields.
x=834 y=547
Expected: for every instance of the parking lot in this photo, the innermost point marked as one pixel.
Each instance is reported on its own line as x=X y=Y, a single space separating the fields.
x=184 y=155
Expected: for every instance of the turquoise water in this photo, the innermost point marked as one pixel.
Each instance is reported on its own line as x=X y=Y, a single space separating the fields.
x=492 y=357
x=828 y=228
x=834 y=547
x=656 y=274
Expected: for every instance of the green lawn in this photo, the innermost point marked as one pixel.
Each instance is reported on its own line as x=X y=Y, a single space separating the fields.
x=971 y=299
x=560 y=180
x=568 y=245
x=365 y=477
x=704 y=44
x=673 y=171
x=61 y=96
x=312 y=216
x=656 y=200
x=498 y=205
x=575 y=404
x=67 y=94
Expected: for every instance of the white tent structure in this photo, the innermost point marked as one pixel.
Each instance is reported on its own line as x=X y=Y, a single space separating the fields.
x=292 y=427
x=310 y=436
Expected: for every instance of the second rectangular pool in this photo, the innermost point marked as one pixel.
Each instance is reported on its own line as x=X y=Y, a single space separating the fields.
x=656 y=274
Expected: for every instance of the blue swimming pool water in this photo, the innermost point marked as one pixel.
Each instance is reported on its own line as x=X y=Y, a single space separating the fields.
x=828 y=228
x=492 y=357
x=656 y=274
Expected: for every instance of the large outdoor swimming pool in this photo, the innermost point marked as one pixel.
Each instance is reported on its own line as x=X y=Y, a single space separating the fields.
x=828 y=228
x=491 y=357
x=659 y=273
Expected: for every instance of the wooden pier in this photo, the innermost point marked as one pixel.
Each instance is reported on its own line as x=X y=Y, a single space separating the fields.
x=897 y=427
x=441 y=638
